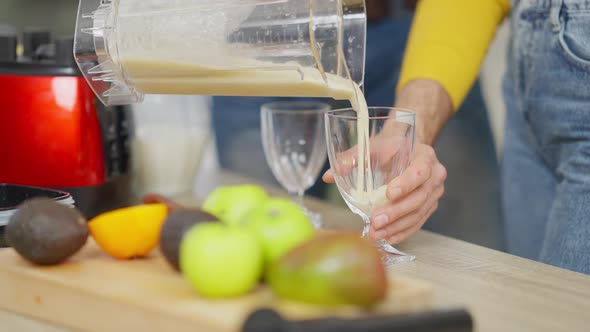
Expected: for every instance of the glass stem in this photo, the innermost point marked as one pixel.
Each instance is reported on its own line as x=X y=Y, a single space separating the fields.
x=366 y=227
x=298 y=198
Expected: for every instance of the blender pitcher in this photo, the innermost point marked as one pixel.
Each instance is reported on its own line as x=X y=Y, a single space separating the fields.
x=305 y=48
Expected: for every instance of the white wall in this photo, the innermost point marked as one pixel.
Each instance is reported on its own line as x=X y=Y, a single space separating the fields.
x=491 y=82
x=59 y=16
x=206 y=179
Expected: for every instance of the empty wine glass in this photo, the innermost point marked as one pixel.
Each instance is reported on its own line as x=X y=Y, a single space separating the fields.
x=391 y=141
x=295 y=146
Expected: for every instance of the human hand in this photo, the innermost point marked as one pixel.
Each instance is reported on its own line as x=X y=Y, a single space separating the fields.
x=412 y=196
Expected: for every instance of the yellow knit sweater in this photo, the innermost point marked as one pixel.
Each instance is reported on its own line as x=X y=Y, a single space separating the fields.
x=448 y=41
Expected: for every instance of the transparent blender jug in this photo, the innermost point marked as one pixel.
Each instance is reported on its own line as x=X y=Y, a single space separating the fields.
x=127 y=48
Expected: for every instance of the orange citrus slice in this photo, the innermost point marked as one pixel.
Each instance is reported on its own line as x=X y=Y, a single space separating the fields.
x=129 y=232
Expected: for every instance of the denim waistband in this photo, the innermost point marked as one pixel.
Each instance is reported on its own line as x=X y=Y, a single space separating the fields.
x=551 y=10
x=567 y=5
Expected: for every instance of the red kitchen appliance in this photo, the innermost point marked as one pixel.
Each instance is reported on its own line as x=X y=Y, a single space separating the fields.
x=53 y=131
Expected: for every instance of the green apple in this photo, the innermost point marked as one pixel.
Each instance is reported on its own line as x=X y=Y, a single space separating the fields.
x=221 y=261
x=280 y=226
x=231 y=204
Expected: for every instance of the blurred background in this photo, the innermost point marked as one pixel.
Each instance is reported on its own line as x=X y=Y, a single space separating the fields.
x=470 y=146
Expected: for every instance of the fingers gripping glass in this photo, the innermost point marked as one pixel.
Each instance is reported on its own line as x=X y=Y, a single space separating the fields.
x=391 y=141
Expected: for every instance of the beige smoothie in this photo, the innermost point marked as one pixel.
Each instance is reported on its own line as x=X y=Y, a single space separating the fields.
x=154 y=76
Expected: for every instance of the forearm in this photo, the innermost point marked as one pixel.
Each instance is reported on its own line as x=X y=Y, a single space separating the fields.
x=432 y=105
x=448 y=41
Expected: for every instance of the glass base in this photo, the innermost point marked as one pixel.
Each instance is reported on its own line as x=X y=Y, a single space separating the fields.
x=389 y=259
x=316 y=219
x=390 y=255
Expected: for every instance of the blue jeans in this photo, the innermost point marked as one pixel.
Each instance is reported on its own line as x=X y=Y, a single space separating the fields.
x=236 y=120
x=546 y=163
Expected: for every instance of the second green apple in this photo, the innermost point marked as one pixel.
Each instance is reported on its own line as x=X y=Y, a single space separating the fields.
x=231 y=204
x=280 y=226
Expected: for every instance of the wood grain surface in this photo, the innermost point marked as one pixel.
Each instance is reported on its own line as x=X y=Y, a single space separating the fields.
x=95 y=292
x=503 y=292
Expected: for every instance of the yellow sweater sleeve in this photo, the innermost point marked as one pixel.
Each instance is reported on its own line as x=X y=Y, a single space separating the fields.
x=448 y=41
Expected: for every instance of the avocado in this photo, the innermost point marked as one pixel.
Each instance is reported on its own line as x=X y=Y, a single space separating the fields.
x=46 y=232
x=178 y=222
x=151 y=198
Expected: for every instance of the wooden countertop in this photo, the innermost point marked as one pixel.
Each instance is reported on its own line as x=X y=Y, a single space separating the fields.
x=503 y=292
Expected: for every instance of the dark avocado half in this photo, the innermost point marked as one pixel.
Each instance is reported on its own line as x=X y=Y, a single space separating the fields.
x=175 y=226
x=46 y=232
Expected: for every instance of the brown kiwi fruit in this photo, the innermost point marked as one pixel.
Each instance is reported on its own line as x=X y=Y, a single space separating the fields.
x=178 y=222
x=46 y=232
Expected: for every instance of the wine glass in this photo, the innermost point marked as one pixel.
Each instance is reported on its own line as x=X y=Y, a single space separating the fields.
x=295 y=146
x=390 y=139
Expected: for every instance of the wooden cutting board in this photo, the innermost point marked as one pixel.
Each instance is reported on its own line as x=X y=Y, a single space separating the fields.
x=95 y=292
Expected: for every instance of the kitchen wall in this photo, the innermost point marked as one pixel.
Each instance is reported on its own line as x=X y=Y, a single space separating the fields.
x=60 y=15
x=57 y=15
x=491 y=83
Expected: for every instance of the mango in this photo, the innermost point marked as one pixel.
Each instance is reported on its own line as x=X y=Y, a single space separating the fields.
x=333 y=269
